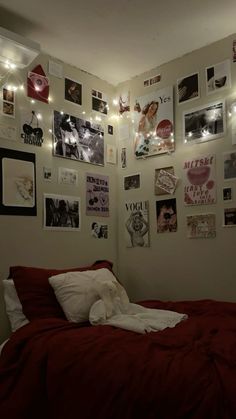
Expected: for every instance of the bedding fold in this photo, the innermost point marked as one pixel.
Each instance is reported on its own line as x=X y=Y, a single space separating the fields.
x=133 y=317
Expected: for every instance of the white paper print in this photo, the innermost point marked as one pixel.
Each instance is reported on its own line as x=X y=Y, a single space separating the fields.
x=68 y=176
x=137 y=224
x=18 y=184
x=153 y=117
x=199 y=180
x=166 y=181
x=201 y=226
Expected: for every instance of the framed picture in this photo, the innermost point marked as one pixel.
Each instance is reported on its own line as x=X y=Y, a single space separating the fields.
x=227 y=194
x=61 y=213
x=132 y=182
x=188 y=88
x=153 y=123
x=204 y=123
x=229 y=219
x=73 y=91
x=78 y=139
x=229 y=165
x=17 y=183
x=218 y=77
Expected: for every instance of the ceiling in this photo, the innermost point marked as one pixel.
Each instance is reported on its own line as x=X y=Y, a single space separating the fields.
x=117 y=40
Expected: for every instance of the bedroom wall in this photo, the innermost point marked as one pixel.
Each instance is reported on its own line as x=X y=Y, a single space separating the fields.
x=23 y=240
x=175 y=267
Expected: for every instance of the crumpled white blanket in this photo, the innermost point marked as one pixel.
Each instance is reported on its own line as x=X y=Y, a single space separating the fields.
x=133 y=317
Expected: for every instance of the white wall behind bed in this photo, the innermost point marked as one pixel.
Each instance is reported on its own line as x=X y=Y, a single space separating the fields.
x=175 y=267
x=23 y=241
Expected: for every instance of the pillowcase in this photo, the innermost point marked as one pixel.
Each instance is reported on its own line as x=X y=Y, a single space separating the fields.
x=13 y=305
x=35 y=293
x=76 y=292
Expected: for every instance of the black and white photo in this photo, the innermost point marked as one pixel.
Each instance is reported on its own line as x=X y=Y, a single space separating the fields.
x=229 y=219
x=188 y=88
x=132 y=181
x=229 y=165
x=73 y=91
x=61 y=212
x=227 y=194
x=204 y=123
x=78 y=139
x=99 y=231
x=218 y=77
x=99 y=105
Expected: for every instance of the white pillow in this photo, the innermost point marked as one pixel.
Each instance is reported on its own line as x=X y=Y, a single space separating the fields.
x=76 y=292
x=13 y=305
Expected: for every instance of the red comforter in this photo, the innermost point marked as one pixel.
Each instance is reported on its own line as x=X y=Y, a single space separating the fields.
x=54 y=369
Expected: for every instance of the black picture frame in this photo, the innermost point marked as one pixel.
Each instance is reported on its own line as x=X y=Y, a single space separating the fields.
x=17 y=181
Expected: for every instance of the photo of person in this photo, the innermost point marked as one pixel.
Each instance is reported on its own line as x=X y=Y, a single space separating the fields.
x=227 y=194
x=218 y=77
x=47 y=174
x=204 y=124
x=73 y=91
x=99 y=231
x=188 y=88
x=99 y=105
x=132 y=182
x=166 y=216
x=8 y=109
x=229 y=165
x=61 y=212
x=78 y=139
x=137 y=224
x=201 y=226
x=153 y=119
x=8 y=95
x=124 y=103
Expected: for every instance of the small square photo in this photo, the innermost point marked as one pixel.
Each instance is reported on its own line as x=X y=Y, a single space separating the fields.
x=227 y=194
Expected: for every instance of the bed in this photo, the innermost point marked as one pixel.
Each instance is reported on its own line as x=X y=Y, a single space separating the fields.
x=54 y=368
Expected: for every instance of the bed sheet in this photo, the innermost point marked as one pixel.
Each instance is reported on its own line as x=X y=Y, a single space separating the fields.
x=55 y=369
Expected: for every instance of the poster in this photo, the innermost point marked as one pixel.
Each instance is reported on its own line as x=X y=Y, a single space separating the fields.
x=124 y=102
x=68 y=176
x=132 y=182
x=77 y=139
x=97 y=195
x=137 y=224
x=199 y=180
x=229 y=165
x=38 y=84
x=166 y=216
x=229 y=217
x=31 y=128
x=153 y=122
x=73 y=91
x=201 y=226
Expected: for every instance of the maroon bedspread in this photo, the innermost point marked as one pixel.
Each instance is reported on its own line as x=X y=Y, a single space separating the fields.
x=54 y=369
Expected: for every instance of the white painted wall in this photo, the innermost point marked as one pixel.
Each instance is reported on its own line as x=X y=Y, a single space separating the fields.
x=23 y=241
x=175 y=267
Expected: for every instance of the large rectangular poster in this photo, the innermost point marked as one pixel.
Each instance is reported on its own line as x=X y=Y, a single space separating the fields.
x=137 y=224
x=97 y=195
x=153 y=118
x=199 y=180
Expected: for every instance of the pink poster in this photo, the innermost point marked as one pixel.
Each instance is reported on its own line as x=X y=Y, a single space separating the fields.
x=199 y=180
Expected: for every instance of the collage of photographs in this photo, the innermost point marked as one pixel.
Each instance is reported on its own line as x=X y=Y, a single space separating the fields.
x=153 y=133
